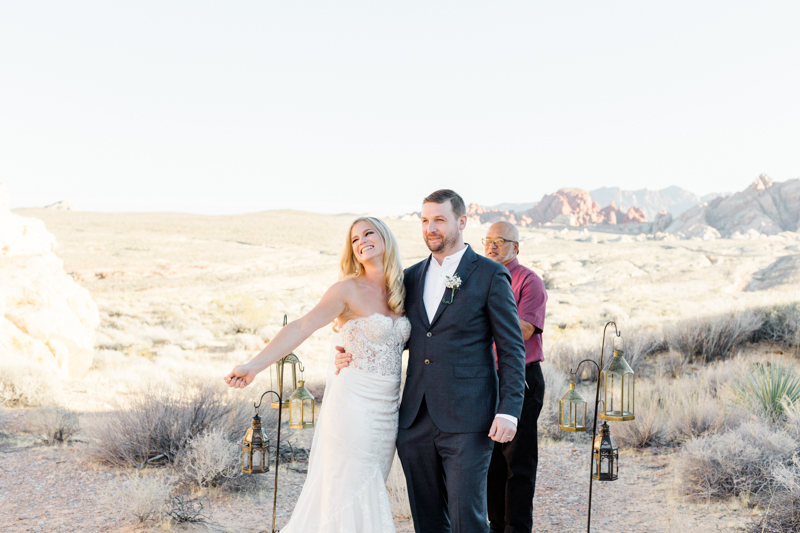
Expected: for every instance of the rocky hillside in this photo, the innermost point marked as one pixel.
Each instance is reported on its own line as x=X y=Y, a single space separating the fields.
x=673 y=200
x=766 y=207
x=571 y=207
x=44 y=315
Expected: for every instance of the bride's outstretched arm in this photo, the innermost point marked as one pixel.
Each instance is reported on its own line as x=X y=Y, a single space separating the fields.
x=332 y=304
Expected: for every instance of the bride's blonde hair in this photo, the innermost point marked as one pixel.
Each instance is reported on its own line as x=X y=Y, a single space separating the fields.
x=392 y=269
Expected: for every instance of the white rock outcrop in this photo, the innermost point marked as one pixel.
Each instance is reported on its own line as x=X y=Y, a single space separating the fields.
x=765 y=207
x=44 y=315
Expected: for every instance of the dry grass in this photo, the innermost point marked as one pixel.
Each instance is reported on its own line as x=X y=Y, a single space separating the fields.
x=213 y=460
x=25 y=384
x=555 y=386
x=650 y=426
x=53 y=424
x=155 y=426
x=144 y=497
x=713 y=337
x=737 y=462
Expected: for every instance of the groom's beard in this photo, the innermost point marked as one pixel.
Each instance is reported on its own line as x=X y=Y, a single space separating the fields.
x=445 y=241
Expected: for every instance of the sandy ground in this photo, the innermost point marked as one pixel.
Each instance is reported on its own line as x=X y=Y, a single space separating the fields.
x=172 y=288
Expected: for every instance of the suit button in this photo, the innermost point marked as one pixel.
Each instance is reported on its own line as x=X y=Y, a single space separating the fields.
x=427 y=361
x=429 y=334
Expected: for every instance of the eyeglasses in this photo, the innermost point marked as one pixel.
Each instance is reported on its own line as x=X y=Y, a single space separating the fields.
x=497 y=242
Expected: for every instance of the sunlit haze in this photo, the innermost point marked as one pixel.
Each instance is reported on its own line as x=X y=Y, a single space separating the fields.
x=368 y=106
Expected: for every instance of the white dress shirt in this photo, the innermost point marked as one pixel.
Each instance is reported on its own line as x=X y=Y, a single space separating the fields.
x=434 y=291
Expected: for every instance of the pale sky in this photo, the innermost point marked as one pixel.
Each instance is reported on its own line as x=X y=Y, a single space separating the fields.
x=234 y=107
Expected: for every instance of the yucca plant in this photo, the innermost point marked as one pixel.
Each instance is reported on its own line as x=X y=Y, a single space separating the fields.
x=767 y=387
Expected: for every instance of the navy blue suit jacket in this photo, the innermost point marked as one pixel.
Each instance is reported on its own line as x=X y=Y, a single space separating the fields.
x=451 y=362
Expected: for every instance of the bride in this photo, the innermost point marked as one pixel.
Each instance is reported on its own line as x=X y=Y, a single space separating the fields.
x=354 y=441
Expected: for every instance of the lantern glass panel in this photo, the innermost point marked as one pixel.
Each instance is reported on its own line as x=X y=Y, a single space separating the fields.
x=301 y=413
x=572 y=410
x=246 y=458
x=618 y=382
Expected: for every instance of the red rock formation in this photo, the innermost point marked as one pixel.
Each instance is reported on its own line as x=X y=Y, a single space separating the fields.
x=565 y=202
x=567 y=206
x=634 y=216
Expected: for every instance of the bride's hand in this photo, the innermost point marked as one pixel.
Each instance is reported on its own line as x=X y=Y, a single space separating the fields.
x=240 y=377
x=343 y=359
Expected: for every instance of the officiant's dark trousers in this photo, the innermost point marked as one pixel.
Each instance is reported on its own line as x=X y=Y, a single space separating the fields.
x=512 y=473
x=446 y=476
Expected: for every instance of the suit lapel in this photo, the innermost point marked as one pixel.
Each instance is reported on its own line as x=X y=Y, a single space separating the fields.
x=465 y=267
x=421 y=292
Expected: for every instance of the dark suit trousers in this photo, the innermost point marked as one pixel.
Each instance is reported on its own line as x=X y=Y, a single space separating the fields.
x=512 y=472
x=446 y=476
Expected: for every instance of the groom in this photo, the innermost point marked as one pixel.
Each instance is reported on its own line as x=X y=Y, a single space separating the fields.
x=456 y=401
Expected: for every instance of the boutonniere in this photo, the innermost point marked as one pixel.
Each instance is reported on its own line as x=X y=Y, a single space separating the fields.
x=453 y=283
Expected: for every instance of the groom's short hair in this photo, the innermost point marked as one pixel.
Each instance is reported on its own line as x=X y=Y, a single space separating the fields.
x=443 y=195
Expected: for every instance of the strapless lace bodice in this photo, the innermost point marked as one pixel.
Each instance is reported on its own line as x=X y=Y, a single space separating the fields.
x=376 y=343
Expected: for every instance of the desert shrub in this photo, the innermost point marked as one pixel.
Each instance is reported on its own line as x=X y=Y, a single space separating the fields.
x=736 y=462
x=672 y=363
x=713 y=337
x=398 y=490
x=156 y=425
x=26 y=384
x=781 y=324
x=184 y=509
x=642 y=343
x=766 y=388
x=555 y=386
x=213 y=459
x=791 y=421
x=53 y=424
x=566 y=353
x=693 y=412
x=145 y=497
x=783 y=510
x=649 y=426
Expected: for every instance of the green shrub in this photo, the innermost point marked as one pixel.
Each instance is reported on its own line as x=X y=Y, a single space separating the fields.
x=766 y=388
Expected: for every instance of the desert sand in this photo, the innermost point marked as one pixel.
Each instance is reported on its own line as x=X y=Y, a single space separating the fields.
x=183 y=296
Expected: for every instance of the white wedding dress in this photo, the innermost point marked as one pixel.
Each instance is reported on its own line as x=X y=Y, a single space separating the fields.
x=354 y=439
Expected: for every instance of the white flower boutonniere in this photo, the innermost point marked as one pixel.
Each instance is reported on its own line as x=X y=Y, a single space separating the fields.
x=453 y=283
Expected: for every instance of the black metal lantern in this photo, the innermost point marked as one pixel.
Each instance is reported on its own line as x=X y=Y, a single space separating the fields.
x=605 y=456
x=617 y=378
x=255 y=447
x=301 y=408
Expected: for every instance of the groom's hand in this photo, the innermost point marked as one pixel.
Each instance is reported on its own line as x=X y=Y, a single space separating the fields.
x=502 y=430
x=343 y=359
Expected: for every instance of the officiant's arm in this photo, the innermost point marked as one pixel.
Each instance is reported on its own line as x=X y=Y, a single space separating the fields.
x=507 y=334
x=332 y=304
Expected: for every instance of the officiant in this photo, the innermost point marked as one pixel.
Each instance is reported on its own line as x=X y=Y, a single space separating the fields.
x=512 y=472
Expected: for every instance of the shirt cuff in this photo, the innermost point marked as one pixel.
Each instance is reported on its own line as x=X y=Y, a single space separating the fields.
x=513 y=419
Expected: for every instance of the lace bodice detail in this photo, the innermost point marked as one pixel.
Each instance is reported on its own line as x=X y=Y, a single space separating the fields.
x=376 y=343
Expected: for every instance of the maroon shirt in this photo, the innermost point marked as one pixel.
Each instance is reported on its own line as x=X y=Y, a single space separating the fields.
x=531 y=297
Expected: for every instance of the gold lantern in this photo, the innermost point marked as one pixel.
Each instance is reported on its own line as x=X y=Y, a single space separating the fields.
x=605 y=456
x=278 y=374
x=619 y=389
x=572 y=409
x=254 y=449
x=301 y=409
